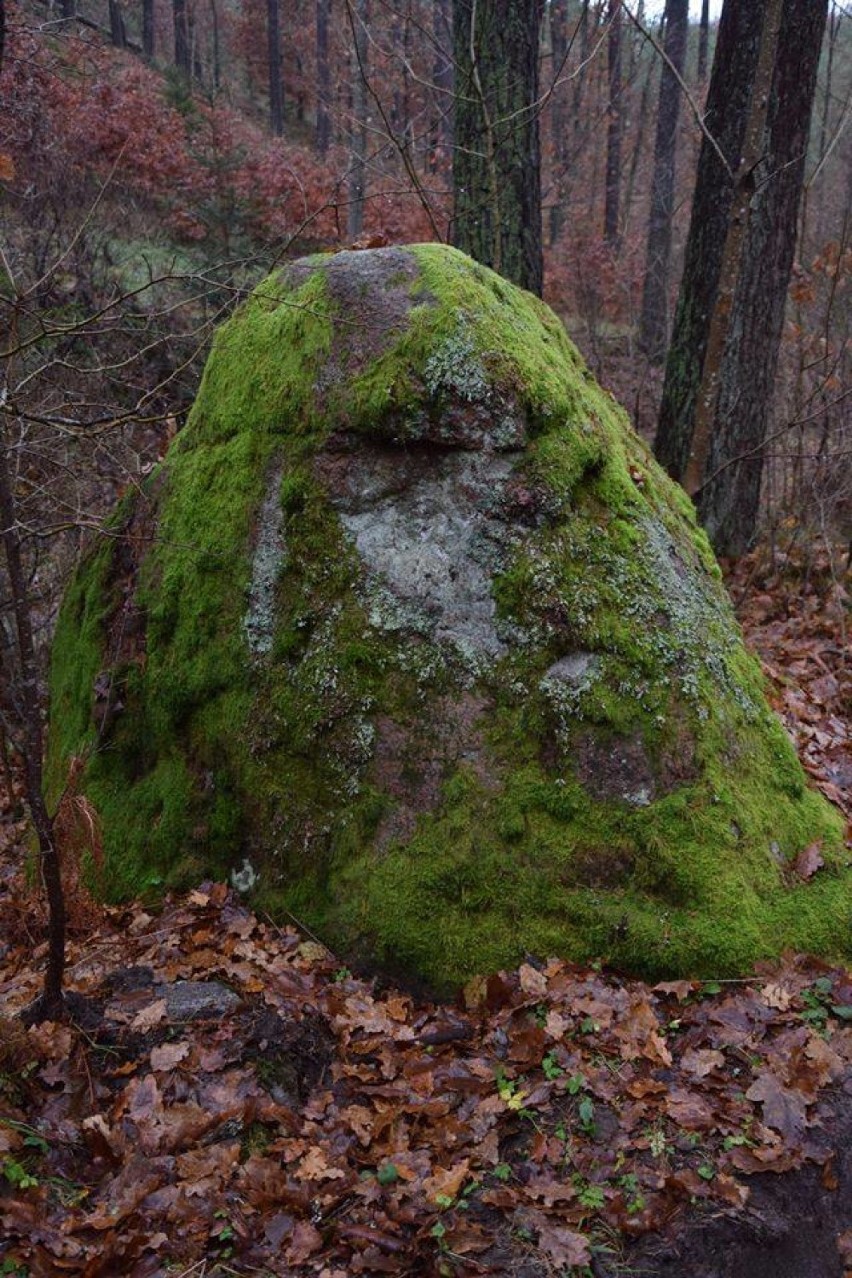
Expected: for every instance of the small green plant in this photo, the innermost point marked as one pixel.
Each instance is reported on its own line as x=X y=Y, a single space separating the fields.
x=17 y=1175
x=633 y=1196
x=14 y=1269
x=819 y=1005
x=223 y=1233
x=590 y=1196
x=510 y=1092
x=575 y=1084
x=706 y=1171
x=735 y=1140
x=657 y=1142
x=551 y=1067
x=503 y=1172
x=586 y=1115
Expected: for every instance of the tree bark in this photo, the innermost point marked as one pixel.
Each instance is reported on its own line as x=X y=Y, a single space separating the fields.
x=496 y=158
x=727 y=105
x=51 y=1004
x=729 y=501
x=721 y=365
x=182 y=42
x=653 y=333
x=148 y=28
x=358 y=147
x=703 y=40
x=276 y=86
x=117 y=30
x=217 y=46
x=323 y=129
x=612 y=199
x=442 y=80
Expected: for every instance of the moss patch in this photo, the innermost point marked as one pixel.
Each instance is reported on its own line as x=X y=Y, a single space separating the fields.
x=410 y=621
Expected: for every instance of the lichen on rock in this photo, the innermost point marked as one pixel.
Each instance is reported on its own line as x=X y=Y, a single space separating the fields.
x=425 y=639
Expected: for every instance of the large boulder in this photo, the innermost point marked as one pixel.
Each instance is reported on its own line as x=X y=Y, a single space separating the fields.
x=411 y=637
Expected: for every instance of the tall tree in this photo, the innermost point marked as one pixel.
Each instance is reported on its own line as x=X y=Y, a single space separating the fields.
x=442 y=80
x=612 y=200
x=276 y=84
x=724 y=351
x=148 y=28
x=703 y=40
x=323 y=127
x=117 y=30
x=496 y=157
x=654 y=325
x=51 y=1004
x=183 y=54
x=358 y=17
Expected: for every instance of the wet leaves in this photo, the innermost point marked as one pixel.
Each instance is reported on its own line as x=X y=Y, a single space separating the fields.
x=308 y=1118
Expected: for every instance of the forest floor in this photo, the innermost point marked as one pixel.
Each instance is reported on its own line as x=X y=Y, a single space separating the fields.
x=229 y=1099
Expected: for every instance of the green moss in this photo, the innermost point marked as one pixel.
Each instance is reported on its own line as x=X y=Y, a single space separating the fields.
x=609 y=783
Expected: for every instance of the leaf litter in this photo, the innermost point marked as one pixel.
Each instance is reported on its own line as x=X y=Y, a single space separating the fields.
x=229 y=1099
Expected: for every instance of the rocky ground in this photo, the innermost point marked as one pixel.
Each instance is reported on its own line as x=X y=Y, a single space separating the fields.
x=229 y=1099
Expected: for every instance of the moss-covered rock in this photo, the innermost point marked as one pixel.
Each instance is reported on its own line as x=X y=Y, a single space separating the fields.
x=410 y=636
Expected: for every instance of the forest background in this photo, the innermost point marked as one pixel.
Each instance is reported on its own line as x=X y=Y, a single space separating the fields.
x=158 y=158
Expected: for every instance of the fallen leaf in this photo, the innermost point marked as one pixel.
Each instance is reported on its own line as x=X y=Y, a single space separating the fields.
x=532 y=981
x=168 y=1055
x=150 y=1016
x=304 y=1242
x=446 y=1182
x=315 y=1167
x=565 y=1248
x=689 y=1110
x=809 y=861
x=783 y=1107
x=680 y=989
x=701 y=1062
x=556 y=1026
x=777 y=996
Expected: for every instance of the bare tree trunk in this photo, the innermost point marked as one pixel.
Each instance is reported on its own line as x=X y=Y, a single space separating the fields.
x=722 y=361
x=743 y=381
x=442 y=79
x=638 y=143
x=653 y=333
x=51 y=1004
x=276 y=87
x=182 y=43
x=217 y=46
x=612 y=210
x=148 y=28
x=703 y=40
x=358 y=161
x=323 y=129
x=496 y=158
x=117 y=30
